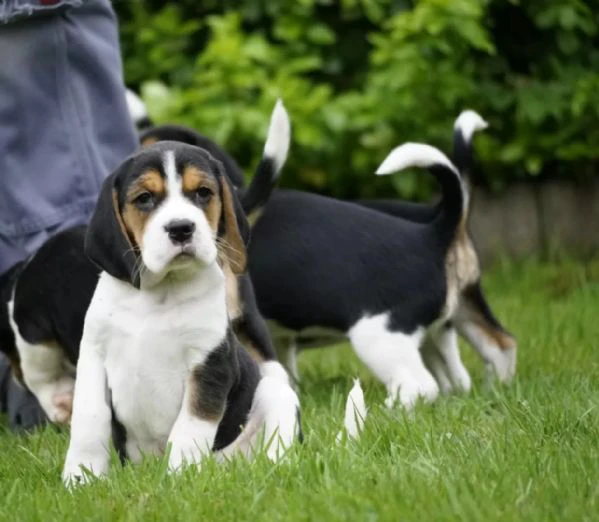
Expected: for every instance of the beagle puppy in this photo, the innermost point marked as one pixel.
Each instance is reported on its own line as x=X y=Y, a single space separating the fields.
x=44 y=299
x=394 y=286
x=159 y=364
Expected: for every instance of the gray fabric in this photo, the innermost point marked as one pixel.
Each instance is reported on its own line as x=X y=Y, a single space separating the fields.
x=64 y=123
x=12 y=10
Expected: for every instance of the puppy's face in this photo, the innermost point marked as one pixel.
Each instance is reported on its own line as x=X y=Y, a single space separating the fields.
x=175 y=209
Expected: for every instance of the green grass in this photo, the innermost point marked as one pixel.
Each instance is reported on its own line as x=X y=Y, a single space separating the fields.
x=526 y=452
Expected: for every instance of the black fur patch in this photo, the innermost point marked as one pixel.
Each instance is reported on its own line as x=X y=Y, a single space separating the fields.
x=337 y=262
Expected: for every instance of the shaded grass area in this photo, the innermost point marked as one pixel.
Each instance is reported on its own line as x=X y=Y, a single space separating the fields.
x=529 y=451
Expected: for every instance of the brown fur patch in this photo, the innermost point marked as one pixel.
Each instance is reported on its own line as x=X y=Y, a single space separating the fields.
x=134 y=219
x=192 y=180
x=249 y=346
x=502 y=339
x=461 y=268
x=234 y=305
x=150 y=140
x=233 y=245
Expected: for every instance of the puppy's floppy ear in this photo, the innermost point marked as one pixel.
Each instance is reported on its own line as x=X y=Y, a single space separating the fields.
x=234 y=226
x=107 y=243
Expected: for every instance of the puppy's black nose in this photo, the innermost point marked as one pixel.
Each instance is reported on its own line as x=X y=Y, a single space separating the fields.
x=180 y=230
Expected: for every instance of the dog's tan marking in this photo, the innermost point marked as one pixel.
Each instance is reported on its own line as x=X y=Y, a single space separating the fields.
x=194 y=179
x=234 y=247
x=461 y=269
x=150 y=140
x=234 y=306
x=135 y=220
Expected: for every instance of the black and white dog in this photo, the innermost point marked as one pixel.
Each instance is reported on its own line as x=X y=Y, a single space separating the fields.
x=159 y=361
x=394 y=285
x=44 y=299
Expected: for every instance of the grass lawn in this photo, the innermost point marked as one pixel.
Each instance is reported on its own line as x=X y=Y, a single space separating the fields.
x=526 y=452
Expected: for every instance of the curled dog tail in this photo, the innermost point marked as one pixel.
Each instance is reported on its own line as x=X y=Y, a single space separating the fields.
x=455 y=197
x=466 y=124
x=273 y=159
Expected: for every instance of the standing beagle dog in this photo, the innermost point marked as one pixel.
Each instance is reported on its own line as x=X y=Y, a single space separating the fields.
x=159 y=362
x=44 y=299
x=325 y=279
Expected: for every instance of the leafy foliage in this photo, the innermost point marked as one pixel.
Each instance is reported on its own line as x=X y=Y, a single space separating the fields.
x=362 y=76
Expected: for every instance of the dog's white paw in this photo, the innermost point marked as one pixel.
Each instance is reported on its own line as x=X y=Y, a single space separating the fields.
x=410 y=390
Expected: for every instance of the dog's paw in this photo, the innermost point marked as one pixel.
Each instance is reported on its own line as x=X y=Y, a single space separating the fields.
x=62 y=408
x=411 y=390
x=73 y=477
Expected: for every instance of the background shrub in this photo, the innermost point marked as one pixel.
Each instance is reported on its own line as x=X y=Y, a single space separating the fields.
x=361 y=76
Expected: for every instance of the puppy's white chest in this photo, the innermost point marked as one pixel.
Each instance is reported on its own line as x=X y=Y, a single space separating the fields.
x=150 y=351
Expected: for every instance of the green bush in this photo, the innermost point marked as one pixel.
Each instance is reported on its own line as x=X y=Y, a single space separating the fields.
x=362 y=76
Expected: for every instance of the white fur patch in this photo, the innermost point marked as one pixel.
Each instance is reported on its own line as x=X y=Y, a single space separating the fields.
x=137 y=108
x=355 y=413
x=141 y=345
x=414 y=155
x=279 y=136
x=158 y=251
x=394 y=357
x=469 y=122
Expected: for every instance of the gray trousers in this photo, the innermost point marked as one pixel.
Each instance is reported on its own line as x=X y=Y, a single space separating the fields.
x=64 y=125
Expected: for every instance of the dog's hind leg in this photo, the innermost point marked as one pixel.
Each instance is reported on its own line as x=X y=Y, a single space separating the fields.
x=436 y=365
x=274 y=420
x=395 y=358
x=48 y=374
x=476 y=322
x=446 y=344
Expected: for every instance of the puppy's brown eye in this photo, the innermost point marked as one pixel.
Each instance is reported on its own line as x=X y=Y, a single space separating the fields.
x=203 y=195
x=145 y=200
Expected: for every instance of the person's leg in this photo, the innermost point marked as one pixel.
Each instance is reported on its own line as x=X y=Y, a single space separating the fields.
x=64 y=126
x=64 y=123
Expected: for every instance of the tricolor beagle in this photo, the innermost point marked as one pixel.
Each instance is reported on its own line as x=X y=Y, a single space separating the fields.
x=393 y=279
x=159 y=363
x=43 y=300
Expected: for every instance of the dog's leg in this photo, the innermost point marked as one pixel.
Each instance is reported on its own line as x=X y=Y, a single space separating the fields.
x=92 y=418
x=446 y=343
x=204 y=403
x=45 y=374
x=395 y=358
x=273 y=420
x=436 y=366
x=476 y=322
x=286 y=347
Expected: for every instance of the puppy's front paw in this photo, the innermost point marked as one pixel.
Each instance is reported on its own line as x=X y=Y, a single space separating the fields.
x=74 y=477
x=79 y=470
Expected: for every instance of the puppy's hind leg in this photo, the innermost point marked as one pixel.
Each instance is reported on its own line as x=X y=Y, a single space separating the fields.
x=394 y=357
x=446 y=344
x=476 y=322
x=273 y=420
x=47 y=374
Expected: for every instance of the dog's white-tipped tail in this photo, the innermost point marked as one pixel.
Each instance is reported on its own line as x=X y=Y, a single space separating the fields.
x=273 y=159
x=279 y=136
x=414 y=155
x=464 y=128
x=469 y=122
x=137 y=108
x=355 y=413
x=455 y=196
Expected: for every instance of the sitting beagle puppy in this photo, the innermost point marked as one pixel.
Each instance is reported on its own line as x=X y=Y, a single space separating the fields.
x=159 y=362
x=43 y=300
